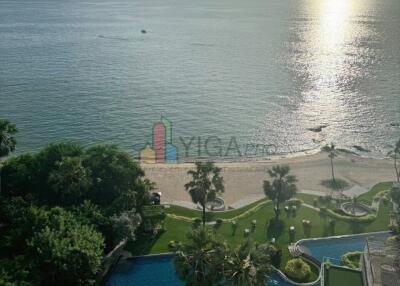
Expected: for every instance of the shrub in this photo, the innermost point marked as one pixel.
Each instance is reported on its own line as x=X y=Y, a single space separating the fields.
x=298 y=270
x=274 y=251
x=315 y=202
x=294 y=202
x=393 y=239
x=234 y=226
x=323 y=210
x=218 y=223
x=364 y=219
x=196 y=222
x=351 y=259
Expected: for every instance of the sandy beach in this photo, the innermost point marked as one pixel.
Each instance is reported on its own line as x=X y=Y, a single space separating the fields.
x=243 y=180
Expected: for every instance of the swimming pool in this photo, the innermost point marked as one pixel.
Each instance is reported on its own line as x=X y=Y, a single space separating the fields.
x=335 y=247
x=158 y=270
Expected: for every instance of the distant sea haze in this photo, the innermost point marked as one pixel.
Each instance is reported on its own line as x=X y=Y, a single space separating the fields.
x=289 y=75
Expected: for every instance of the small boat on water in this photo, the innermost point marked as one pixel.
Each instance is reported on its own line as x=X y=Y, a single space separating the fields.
x=143 y=31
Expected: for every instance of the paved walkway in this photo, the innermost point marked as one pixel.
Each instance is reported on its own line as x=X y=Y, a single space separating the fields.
x=355 y=191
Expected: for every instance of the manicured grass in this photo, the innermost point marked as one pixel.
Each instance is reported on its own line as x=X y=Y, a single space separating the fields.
x=368 y=197
x=210 y=216
x=342 y=276
x=309 y=199
x=177 y=230
x=264 y=232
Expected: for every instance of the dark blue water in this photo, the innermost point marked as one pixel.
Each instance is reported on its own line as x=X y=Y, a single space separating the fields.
x=336 y=247
x=263 y=71
x=146 y=271
x=158 y=271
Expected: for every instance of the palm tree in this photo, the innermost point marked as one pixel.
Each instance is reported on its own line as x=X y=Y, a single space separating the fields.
x=282 y=188
x=332 y=153
x=7 y=140
x=247 y=265
x=354 y=204
x=200 y=260
x=205 y=185
x=396 y=152
x=69 y=182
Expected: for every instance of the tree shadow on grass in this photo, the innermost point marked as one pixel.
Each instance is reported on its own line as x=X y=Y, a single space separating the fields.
x=357 y=227
x=275 y=228
x=307 y=231
x=142 y=245
x=336 y=185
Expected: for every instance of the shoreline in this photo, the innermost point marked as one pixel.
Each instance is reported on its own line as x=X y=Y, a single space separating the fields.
x=244 y=179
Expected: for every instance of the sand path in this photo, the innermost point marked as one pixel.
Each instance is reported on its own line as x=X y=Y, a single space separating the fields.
x=243 y=181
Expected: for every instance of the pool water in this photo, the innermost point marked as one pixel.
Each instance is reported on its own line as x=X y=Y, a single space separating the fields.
x=145 y=271
x=335 y=247
x=158 y=271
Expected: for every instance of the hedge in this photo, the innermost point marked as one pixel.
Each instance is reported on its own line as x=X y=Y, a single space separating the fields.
x=298 y=270
x=363 y=219
x=346 y=259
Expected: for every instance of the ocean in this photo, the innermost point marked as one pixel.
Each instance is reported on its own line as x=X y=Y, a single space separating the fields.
x=238 y=80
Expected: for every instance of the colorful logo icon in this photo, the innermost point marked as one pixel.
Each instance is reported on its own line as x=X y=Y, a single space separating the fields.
x=162 y=150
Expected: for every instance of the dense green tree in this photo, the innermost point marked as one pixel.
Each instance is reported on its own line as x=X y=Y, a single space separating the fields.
x=126 y=224
x=89 y=214
x=69 y=182
x=205 y=184
x=18 y=271
x=102 y=188
x=248 y=265
x=200 y=260
x=125 y=202
x=395 y=194
x=7 y=140
x=29 y=174
x=332 y=153
x=19 y=176
x=67 y=252
x=396 y=154
x=282 y=187
x=113 y=172
x=24 y=220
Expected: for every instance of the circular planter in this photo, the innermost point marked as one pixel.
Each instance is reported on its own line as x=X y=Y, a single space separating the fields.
x=355 y=209
x=217 y=204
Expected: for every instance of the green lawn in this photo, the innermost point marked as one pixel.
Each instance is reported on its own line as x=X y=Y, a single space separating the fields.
x=339 y=276
x=368 y=197
x=309 y=199
x=177 y=229
x=210 y=216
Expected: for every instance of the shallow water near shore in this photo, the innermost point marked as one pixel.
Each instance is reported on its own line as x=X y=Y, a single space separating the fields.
x=227 y=74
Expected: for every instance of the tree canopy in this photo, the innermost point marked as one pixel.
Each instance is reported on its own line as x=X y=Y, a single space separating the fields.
x=205 y=185
x=63 y=208
x=281 y=188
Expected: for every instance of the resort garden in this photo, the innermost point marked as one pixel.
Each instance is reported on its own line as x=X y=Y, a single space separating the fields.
x=253 y=222
x=68 y=214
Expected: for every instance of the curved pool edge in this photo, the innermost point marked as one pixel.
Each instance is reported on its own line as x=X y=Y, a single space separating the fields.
x=297 y=243
x=288 y=280
x=307 y=257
